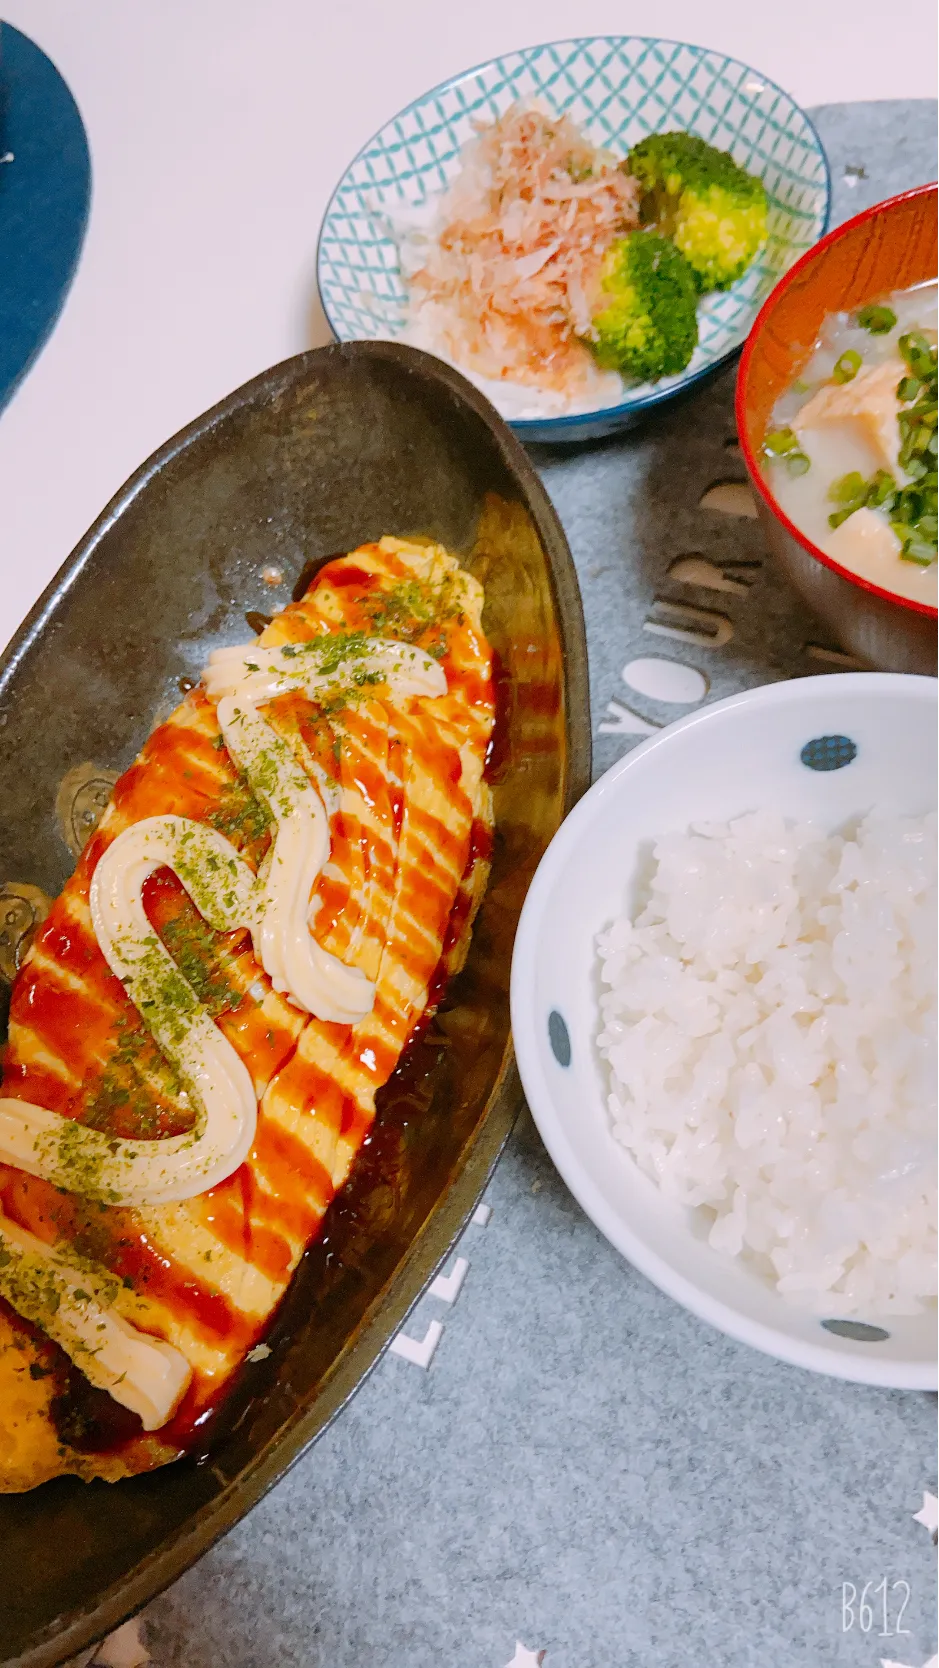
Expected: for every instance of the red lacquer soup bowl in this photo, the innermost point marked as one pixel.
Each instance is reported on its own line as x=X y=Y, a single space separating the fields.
x=891 y=246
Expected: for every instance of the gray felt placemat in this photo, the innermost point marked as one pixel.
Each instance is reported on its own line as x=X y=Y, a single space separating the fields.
x=585 y=1467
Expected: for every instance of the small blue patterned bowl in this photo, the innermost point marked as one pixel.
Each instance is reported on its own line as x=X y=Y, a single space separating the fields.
x=617 y=89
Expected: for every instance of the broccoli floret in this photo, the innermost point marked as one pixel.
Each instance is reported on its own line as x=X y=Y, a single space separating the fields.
x=713 y=209
x=645 y=325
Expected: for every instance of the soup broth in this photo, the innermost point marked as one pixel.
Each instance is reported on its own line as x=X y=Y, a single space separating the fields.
x=851 y=452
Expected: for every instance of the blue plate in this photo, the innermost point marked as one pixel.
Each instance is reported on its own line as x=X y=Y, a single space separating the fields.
x=45 y=192
x=617 y=89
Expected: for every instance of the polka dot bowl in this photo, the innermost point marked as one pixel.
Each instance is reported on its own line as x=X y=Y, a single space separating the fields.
x=824 y=749
x=617 y=89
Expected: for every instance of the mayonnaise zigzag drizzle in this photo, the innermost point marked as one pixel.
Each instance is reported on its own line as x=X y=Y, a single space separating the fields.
x=274 y=906
x=142 y=1373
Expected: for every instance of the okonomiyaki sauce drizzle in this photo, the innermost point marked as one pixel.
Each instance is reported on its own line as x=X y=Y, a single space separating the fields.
x=263 y=1211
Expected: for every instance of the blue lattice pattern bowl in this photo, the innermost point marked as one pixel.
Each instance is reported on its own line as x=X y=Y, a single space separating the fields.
x=617 y=89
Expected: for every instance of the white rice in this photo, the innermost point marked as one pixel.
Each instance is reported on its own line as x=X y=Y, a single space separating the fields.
x=769 y=1022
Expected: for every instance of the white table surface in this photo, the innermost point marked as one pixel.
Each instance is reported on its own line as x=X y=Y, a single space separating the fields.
x=217 y=130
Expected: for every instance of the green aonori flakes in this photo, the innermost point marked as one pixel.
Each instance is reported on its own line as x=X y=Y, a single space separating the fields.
x=240 y=816
x=414 y=609
x=204 y=961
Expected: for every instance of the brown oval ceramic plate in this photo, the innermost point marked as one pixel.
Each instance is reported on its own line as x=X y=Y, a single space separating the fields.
x=317 y=455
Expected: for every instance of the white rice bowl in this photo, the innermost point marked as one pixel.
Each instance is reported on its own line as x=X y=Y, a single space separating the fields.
x=767 y=751
x=769 y=1024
